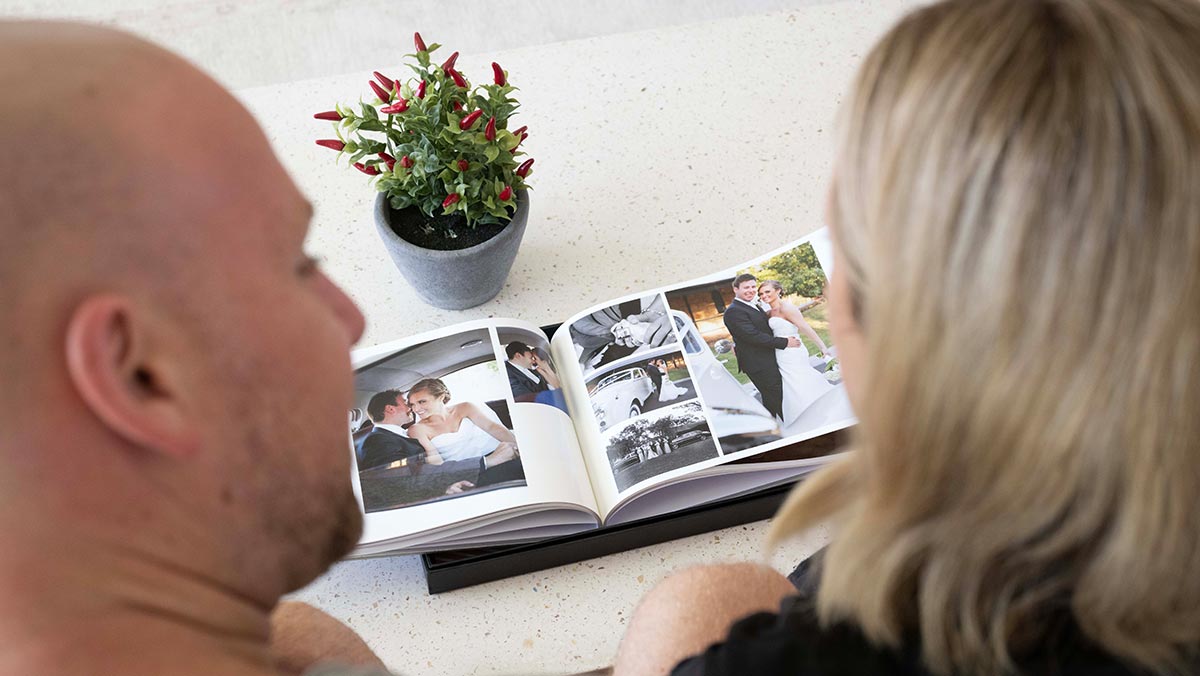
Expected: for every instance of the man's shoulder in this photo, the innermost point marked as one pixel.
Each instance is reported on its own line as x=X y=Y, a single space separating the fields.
x=381 y=433
x=382 y=437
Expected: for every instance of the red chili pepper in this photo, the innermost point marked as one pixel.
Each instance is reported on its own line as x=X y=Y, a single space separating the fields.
x=457 y=106
x=463 y=165
x=421 y=90
x=470 y=120
x=406 y=162
x=521 y=135
x=452 y=198
x=523 y=170
x=506 y=194
x=332 y=144
x=449 y=64
x=498 y=74
x=369 y=171
x=458 y=78
x=489 y=132
x=383 y=94
x=419 y=43
x=397 y=107
x=388 y=159
x=331 y=115
x=384 y=80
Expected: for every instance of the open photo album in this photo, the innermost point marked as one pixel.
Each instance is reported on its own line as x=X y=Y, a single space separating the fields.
x=491 y=433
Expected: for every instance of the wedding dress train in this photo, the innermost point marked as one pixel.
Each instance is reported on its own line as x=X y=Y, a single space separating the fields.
x=802 y=384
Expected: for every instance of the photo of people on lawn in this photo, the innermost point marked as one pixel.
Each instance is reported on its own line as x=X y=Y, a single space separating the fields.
x=770 y=370
x=431 y=422
x=658 y=442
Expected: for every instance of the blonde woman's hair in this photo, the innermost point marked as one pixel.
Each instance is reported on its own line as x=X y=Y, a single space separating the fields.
x=773 y=284
x=434 y=386
x=1017 y=205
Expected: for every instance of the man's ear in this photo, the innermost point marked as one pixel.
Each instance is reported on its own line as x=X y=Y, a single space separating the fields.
x=127 y=384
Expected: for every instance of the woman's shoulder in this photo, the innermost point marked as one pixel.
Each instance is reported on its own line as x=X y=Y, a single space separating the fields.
x=418 y=429
x=793 y=641
x=788 y=307
x=462 y=409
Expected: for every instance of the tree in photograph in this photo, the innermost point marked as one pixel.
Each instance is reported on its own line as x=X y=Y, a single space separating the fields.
x=798 y=270
x=660 y=433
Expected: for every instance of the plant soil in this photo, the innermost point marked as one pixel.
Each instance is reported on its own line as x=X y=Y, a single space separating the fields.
x=440 y=233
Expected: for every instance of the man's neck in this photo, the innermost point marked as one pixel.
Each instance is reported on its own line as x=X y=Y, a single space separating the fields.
x=397 y=421
x=80 y=605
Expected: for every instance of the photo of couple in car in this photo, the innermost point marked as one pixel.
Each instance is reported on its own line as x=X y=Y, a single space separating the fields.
x=531 y=374
x=632 y=388
x=760 y=346
x=433 y=423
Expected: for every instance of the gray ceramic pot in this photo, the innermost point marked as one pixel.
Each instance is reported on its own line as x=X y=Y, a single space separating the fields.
x=455 y=280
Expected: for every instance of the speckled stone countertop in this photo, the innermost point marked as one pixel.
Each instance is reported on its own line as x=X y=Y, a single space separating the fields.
x=661 y=156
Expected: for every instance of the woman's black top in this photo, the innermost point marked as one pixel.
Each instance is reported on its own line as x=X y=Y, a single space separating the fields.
x=792 y=642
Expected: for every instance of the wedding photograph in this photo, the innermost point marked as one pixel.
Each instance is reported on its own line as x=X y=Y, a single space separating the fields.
x=627 y=329
x=659 y=442
x=532 y=376
x=760 y=347
x=633 y=388
x=431 y=422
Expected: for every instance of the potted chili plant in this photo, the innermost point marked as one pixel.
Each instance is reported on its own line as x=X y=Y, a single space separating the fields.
x=452 y=202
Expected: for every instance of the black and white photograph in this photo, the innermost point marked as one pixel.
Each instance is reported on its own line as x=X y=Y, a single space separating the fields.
x=623 y=330
x=760 y=348
x=431 y=422
x=531 y=374
x=659 y=442
x=633 y=388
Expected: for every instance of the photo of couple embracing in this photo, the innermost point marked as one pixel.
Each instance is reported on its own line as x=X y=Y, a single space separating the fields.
x=759 y=345
x=766 y=331
x=432 y=422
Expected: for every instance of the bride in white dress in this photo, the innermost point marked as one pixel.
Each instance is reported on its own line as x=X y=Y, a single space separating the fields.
x=459 y=432
x=667 y=390
x=802 y=384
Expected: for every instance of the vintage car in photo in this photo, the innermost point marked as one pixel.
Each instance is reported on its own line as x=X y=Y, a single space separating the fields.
x=621 y=395
x=690 y=436
x=738 y=418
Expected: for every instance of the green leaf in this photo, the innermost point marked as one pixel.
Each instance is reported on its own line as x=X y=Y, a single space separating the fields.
x=369 y=112
x=491 y=152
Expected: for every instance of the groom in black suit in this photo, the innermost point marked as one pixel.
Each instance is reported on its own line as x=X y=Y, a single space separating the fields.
x=527 y=375
x=389 y=441
x=754 y=343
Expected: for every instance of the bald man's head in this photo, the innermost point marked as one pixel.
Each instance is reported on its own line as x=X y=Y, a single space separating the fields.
x=164 y=310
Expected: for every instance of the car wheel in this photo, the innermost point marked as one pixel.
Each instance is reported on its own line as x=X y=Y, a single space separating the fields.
x=635 y=409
